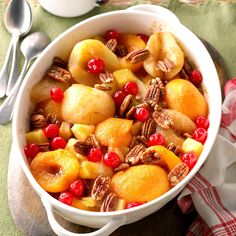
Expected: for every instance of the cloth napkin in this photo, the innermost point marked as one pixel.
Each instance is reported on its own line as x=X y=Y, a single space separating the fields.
x=212 y=192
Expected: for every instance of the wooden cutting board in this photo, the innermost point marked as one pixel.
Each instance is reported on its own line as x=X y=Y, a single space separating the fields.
x=29 y=214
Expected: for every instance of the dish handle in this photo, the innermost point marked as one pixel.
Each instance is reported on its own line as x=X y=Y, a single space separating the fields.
x=107 y=229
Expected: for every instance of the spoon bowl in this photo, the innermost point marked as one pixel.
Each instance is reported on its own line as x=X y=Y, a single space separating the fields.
x=31 y=47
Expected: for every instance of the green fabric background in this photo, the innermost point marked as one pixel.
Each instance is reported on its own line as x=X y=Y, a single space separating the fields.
x=214 y=21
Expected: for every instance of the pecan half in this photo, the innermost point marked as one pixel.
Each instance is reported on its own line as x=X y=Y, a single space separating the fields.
x=112 y=44
x=109 y=203
x=91 y=139
x=133 y=156
x=125 y=104
x=187 y=135
x=148 y=128
x=142 y=140
x=43 y=147
x=153 y=94
x=162 y=120
x=82 y=147
x=103 y=87
x=165 y=65
x=100 y=187
x=38 y=121
x=53 y=119
x=173 y=148
x=57 y=61
x=121 y=51
x=150 y=157
x=60 y=74
x=130 y=113
x=187 y=67
x=122 y=166
x=106 y=77
x=178 y=173
x=138 y=55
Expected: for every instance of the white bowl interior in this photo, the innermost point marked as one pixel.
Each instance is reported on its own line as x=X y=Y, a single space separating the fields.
x=123 y=21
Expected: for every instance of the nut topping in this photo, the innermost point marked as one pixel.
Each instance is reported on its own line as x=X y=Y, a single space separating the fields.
x=153 y=94
x=142 y=140
x=178 y=173
x=148 y=128
x=133 y=156
x=91 y=139
x=165 y=65
x=125 y=104
x=112 y=44
x=82 y=147
x=103 y=87
x=122 y=166
x=106 y=77
x=130 y=113
x=174 y=148
x=60 y=74
x=138 y=55
x=162 y=120
x=53 y=119
x=100 y=187
x=109 y=203
x=121 y=51
x=38 y=121
x=57 y=61
x=150 y=157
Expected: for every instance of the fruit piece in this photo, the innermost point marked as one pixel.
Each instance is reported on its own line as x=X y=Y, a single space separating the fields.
x=202 y=122
x=112 y=34
x=196 y=77
x=57 y=143
x=86 y=203
x=51 y=130
x=190 y=101
x=200 y=135
x=81 y=132
x=122 y=77
x=144 y=37
x=133 y=204
x=170 y=136
x=65 y=131
x=51 y=108
x=114 y=132
x=120 y=205
x=36 y=137
x=56 y=94
x=131 y=88
x=191 y=145
x=91 y=170
x=31 y=150
x=136 y=128
x=126 y=64
x=181 y=122
x=120 y=151
x=66 y=198
x=132 y=42
x=96 y=65
x=77 y=188
x=111 y=159
x=119 y=97
x=95 y=154
x=41 y=90
x=168 y=158
x=82 y=53
x=163 y=47
x=156 y=139
x=140 y=183
x=86 y=105
x=190 y=159
x=55 y=170
x=142 y=114
x=70 y=147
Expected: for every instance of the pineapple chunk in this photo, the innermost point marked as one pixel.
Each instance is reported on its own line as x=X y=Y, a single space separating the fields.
x=124 y=76
x=65 y=131
x=70 y=147
x=86 y=203
x=120 y=205
x=81 y=132
x=191 y=145
x=91 y=170
x=36 y=136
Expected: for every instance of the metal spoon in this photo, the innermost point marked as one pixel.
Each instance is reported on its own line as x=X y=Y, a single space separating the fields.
x=18 y=21
x=31 y=47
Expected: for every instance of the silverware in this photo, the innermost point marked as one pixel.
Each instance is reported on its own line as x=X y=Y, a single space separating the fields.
x=18 y=21
x=31 y=47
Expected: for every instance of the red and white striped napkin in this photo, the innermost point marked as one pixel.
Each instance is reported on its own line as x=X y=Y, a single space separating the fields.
x=212 y=192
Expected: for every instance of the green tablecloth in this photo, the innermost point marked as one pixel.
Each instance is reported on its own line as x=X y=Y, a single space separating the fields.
x=214 y=21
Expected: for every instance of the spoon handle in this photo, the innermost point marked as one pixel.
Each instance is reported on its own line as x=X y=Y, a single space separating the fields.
x=4 y=71
x=7 y=106
x=14 y=66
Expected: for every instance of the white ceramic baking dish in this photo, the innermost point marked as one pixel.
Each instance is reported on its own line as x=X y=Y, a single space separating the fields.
x=141 y=18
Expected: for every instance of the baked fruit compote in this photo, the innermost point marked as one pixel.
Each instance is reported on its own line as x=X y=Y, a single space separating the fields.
x=119 y=124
